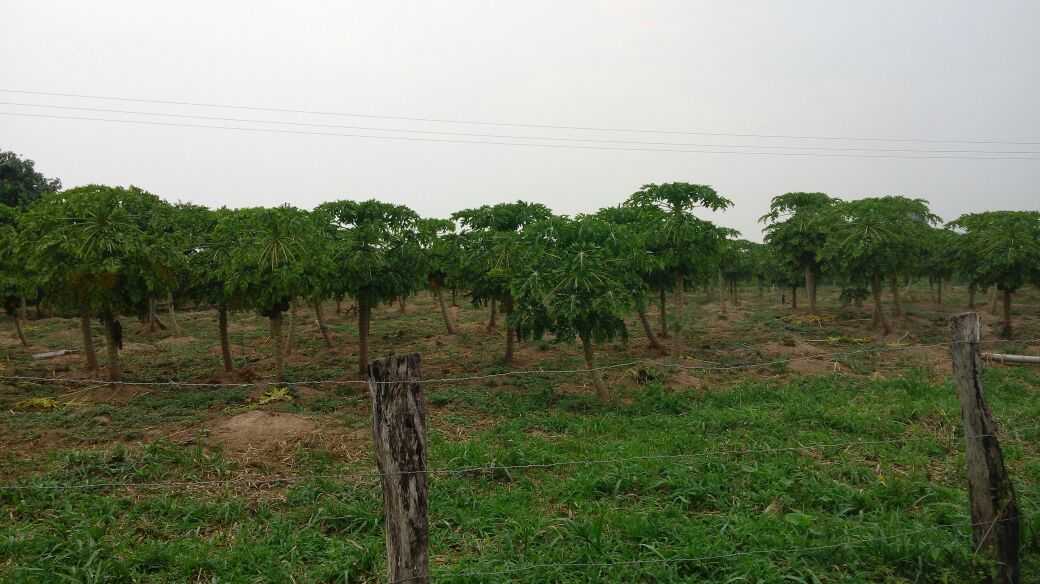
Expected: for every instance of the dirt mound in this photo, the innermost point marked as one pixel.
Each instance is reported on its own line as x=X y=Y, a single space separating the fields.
x=115 y=395
x=793 y=348
x=814 y=366
x=236 y=350
x=683 y=380
x=173 y=341
x=260 y=430
x=138 y=348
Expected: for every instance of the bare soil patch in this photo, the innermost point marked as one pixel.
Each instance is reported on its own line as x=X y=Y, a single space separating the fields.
x=175 y=341
x=262 y=431
x=815 y=367
x=115 y=395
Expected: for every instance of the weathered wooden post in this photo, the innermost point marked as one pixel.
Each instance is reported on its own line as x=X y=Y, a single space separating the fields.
x=994 y=511
x=399 y=432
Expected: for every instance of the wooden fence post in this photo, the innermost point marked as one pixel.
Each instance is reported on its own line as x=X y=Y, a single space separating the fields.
x=994 y=511
x=399 y=432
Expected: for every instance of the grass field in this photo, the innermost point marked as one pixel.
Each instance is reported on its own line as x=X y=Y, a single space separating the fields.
x=867 y=485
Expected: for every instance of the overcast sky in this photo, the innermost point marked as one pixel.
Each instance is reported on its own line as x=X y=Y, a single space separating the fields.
x=942 y=70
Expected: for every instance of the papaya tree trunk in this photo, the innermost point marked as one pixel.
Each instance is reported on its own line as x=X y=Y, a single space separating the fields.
x=879 y=310
x=794 y=297
x=677 y=341
x=339 y=306
x=454 y=297
x=971 y=296
x=364 y=321
x=172 y=312
x=507 y=307
x=23 y=309
x=938 y=291
x=897 y=304
x=590 y=364
x=643 y=318
x=722 y=290
x=448 y=325
x=1007 y=332
x=225 y=345
x=113 y=342
x=293 y=323
x=761 y=289
x=18 y=329
x=88 y=340
x=319 y=315
x=279 y=345
x=810 y=291
x=401 y=308
x=151 y=314
x=664 y=314
x=993 y=301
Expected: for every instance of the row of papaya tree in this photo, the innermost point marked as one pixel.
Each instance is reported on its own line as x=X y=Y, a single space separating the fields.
x=102 y=252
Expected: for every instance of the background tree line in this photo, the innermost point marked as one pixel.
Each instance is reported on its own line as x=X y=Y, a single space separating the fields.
x=103 y=252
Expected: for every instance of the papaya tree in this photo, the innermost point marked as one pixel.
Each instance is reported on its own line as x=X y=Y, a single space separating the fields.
x=1006 y=246
x=267 y=254
x=494 y=256
x=441 y=259
x=581 y=283
x=876 y=238
x=798 y=224
x=939 y=262
x=372 y=248
x=688 y=245
x=642 y=259
x=210 y=259
x=92 y=247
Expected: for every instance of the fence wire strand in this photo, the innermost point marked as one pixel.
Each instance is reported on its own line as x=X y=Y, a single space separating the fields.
x=517 y=373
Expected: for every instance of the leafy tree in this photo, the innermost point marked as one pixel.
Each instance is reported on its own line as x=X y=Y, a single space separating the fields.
x=493 y=255
x=268 y=252
x=798 y=228
x=874 y=238
x=939 y=261
x=738 y=264
x=20 y=183
x=581 y=283
x=372 y=247
x=211 y=256
x=440 y=248
x=93 y=247
x=687 y=244
x=15 y=280
x=1005 y=246
x=641 y=258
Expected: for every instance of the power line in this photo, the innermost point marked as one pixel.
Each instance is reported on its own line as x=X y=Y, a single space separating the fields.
x=518 y=125
x=512 y=136
x=519 y=144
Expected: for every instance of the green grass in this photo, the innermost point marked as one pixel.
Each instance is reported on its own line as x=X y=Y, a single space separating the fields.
x=725 y=492
x=715 y=504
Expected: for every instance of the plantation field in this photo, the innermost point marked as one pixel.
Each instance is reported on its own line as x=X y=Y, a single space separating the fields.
x=842 y=467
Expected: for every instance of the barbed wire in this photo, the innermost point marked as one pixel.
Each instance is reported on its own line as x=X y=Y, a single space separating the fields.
x=714 y=557
x=488 y=469
x=822 y=356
